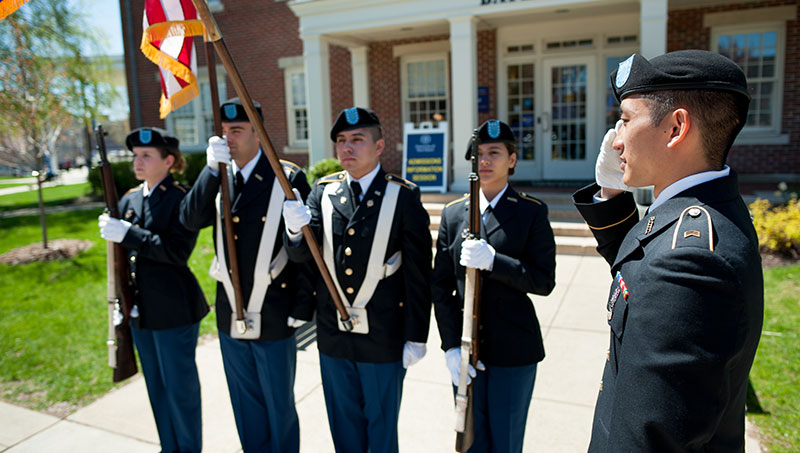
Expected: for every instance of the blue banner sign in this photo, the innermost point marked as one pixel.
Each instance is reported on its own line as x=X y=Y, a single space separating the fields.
x=425 y=156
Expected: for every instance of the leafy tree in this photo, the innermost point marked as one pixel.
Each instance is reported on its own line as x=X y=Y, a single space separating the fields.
x=46 y=81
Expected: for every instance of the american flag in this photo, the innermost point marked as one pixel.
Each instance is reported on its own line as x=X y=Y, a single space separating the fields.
x=169 y=26
x=9 y=6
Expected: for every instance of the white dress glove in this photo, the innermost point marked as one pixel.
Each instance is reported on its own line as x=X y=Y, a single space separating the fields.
x=291 y=322
x=413 y=352
x=477 y=254
x=217 y=153
x=606 y=170
x=296 y=214
x=453 y=359
x=112 y=229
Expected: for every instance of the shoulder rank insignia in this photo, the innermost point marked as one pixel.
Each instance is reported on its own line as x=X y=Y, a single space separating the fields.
x=694 y=212
x=333 y=177
x=456 y=201
x=179 y=186
x=135 y=189
x=293 y=167
x=525 y=196
x=398 y=180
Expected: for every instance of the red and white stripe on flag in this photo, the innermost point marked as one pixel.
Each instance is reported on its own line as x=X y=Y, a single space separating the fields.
x=9 y=6
x=169 y=26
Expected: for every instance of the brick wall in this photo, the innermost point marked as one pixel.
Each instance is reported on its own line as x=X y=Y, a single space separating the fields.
x=386 y=91
x=385 y=95
x=686 y=31
x=487 y=70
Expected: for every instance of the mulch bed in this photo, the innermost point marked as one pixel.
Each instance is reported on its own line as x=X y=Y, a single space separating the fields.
x=59 y=249
x=770 y=260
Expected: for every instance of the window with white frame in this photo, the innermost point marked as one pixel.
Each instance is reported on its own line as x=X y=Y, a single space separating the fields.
x=296 y=107
x=425 y=89
x=759 y=51
x=193 y=123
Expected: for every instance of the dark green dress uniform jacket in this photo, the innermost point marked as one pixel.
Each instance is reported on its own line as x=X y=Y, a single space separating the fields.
x=400 y=308
x=249 y=211
x=525 y=262
x=685 y=319
x=166 y=292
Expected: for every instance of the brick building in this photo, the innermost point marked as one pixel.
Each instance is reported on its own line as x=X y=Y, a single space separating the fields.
x=540 y=66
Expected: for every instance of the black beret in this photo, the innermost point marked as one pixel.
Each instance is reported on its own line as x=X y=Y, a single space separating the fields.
x=232 y=111
x=492 y=131
x=151 y=136
x=354 y=118
x=681 y=70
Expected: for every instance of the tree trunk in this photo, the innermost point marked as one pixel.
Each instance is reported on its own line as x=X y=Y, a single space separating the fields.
x=41 y=211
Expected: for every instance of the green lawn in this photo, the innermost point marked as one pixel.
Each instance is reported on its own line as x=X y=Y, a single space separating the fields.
x=776 y=371
x=53 y=315
x=52 y=196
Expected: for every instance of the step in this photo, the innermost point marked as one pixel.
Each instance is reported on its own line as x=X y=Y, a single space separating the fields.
x=555 y=212
x=567 y=245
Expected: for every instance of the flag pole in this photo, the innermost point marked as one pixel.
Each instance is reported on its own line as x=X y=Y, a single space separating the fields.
x=215 y=36
x=227 y=211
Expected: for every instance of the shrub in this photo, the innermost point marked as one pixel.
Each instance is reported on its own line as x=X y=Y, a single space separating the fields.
x=323 y=168
x=194 y=165
x=124 y=178
x=778 y=227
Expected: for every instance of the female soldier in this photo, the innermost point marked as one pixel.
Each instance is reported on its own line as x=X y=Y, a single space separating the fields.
x=516 y=256
x=169 y=303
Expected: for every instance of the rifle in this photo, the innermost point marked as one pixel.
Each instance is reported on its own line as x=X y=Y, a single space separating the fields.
x=120 y=294
x=465 y=419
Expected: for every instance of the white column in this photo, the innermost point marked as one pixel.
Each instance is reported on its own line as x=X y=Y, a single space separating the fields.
x=318 y=97
x=464 y=85
x=653 y=29
x=358 y=60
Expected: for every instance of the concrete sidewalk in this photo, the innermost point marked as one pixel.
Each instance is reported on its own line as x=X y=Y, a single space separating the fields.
x=573 y=320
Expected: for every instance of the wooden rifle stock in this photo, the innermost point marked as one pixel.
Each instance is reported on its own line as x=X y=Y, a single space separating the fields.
x=465 y=419
x=120 y=294
x=214 y=35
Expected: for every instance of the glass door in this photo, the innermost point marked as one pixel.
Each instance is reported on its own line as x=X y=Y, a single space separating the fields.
x=566 y=121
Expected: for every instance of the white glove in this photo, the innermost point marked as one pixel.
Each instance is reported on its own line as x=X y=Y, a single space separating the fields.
x=217 y=153
x=606 y=170
x=453 y=359
x=291 y=322
x=413 y=352
x=296 y=214
x=112 y=229
x=477 y=254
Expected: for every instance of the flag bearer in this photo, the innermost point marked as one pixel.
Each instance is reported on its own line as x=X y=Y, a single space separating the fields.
x=260 y=364
x=376 y=243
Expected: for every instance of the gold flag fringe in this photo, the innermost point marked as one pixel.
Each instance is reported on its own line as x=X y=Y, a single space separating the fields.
x=9 y=6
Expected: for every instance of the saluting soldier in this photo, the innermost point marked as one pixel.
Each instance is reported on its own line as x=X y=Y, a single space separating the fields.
x=259 y=364
x=169 y=303
x=686 y=301
x=376 y=243
x=516 y=256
